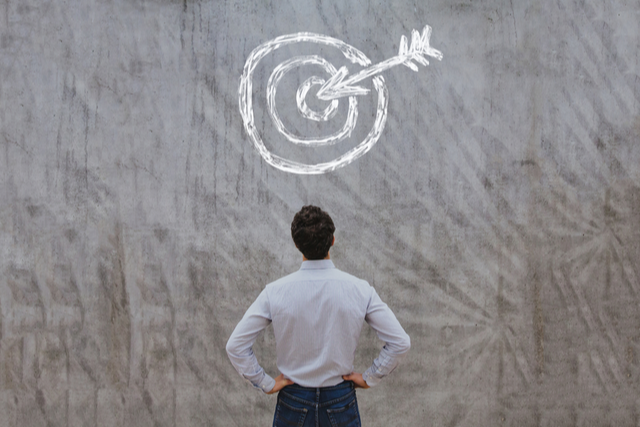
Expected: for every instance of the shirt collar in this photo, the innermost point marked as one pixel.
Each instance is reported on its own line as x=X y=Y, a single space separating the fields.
x=320 y=264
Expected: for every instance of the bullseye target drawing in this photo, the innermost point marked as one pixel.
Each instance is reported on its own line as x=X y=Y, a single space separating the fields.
x=333 y=87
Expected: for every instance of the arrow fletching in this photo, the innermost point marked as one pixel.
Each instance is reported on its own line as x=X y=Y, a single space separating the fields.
x=418 y=49
x=410 y=64
x=404 y=48
x=426 y=47
x=339 y=85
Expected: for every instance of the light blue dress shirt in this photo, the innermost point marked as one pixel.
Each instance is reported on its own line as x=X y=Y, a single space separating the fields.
x=317 y=315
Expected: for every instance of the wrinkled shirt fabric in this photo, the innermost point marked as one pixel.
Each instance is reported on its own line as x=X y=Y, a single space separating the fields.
x=317 y=315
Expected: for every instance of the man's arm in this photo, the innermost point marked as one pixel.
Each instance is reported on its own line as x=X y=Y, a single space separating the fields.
x=239 y=350
x=397 y=343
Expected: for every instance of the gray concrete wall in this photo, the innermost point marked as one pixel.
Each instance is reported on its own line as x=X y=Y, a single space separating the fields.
x=498 y=214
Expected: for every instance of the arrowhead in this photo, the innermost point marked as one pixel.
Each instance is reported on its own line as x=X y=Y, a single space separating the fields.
x=336 y=87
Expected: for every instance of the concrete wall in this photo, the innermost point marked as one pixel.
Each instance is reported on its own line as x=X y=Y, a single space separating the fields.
x=498 y=214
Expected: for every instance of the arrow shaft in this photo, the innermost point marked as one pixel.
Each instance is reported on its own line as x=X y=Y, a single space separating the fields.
x=375 y=69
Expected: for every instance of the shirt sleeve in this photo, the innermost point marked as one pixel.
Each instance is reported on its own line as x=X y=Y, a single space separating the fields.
x=239 y=346
x=397 y=343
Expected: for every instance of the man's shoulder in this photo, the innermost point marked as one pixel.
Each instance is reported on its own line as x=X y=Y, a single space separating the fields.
x=284 y=279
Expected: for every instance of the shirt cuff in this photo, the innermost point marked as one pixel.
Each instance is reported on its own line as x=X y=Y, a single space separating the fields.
x=267 y=384
x=370 y=378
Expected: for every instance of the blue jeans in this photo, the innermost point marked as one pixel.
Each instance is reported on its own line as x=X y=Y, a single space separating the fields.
x=317 y=407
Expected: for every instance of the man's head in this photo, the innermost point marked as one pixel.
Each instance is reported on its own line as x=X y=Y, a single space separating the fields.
x=312 y=231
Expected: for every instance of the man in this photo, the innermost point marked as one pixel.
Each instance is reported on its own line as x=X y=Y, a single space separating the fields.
x=317 y=315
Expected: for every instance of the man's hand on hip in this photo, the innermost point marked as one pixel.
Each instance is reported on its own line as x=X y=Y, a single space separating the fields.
x=281 y=382
x=357 y=380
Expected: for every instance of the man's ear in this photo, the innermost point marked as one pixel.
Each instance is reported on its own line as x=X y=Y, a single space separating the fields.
x=333 y=241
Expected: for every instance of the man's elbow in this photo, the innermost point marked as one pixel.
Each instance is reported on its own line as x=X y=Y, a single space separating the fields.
x=232 y=347
x=405 y=345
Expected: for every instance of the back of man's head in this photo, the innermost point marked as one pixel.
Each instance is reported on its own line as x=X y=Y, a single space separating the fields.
x=312 y=231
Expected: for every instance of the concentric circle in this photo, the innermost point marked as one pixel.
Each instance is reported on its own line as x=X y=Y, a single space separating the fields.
x=301 y=101
x=245 y=95
x=272 y=87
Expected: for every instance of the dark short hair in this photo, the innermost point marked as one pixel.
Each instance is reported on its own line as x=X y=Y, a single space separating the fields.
x=312 y=231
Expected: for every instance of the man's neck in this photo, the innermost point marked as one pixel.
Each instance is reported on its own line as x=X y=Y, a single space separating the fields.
x=304 y=258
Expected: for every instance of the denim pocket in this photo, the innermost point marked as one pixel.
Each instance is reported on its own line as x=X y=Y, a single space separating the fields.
x=287 y=415
x=346 y=416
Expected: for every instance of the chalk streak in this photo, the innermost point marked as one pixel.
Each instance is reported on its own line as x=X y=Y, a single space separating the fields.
x=600 y=370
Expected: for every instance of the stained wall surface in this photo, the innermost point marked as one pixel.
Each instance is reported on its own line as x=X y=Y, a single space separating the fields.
x=498 y=214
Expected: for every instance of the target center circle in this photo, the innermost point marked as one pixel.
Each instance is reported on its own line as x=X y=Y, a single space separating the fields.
x=301 y=96
x=279 y=72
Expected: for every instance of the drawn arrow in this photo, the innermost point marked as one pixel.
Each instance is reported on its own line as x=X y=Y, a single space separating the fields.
x=337 y=86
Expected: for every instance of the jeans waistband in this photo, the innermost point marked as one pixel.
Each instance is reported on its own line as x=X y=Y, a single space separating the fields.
x=318 y=396
x=342 y=385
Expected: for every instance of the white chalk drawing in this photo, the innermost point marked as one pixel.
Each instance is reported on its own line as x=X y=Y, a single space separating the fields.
x=338 y=85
